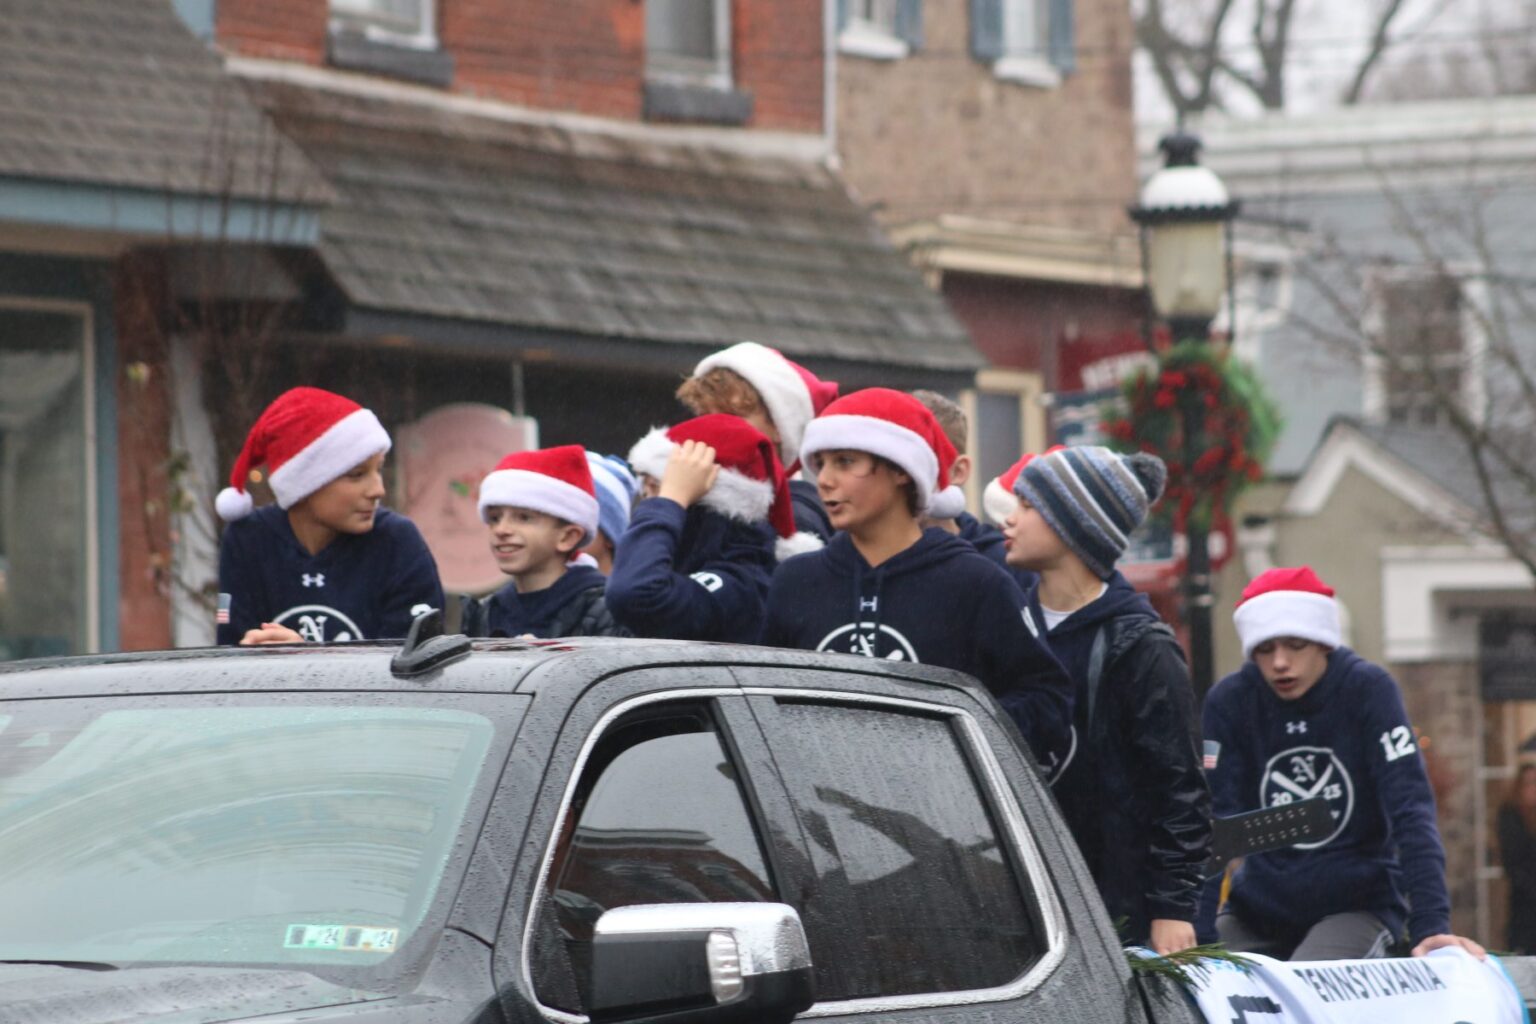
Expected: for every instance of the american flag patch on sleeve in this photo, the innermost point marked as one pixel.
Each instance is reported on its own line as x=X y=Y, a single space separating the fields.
x=221 y=617
x=1212 y=753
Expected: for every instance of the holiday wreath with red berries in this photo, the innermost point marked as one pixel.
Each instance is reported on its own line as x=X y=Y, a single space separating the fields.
x=1237 y=427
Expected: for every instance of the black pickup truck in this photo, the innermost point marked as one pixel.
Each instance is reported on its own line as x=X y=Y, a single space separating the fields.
x=506 y=832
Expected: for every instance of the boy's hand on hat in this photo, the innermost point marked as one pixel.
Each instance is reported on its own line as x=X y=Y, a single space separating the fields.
x=690 y=473
x=270 y=633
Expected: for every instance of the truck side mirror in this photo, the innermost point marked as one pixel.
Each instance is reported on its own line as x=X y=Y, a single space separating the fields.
x=700 y=963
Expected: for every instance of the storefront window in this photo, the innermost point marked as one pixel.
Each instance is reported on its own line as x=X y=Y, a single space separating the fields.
x=46 y=518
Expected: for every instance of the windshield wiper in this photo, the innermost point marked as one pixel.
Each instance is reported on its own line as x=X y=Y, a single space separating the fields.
x=79 y=965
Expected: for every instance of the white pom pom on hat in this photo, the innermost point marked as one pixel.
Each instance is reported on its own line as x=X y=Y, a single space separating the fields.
x=306 y=438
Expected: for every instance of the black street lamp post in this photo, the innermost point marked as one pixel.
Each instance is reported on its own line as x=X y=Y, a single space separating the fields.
x=1185 y=217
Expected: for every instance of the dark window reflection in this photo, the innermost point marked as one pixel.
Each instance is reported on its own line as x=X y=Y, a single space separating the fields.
x=658 y=818
x=893 y=800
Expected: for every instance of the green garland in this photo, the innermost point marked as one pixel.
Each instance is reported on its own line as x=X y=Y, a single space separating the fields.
x=1238 y=425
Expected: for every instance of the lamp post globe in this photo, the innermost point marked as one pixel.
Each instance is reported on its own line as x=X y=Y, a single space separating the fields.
x=1185 y=215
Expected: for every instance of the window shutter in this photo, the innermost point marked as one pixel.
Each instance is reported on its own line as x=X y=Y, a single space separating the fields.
x=1063 y=38
x=987 y=30
x=909 y=23
x=842 y=14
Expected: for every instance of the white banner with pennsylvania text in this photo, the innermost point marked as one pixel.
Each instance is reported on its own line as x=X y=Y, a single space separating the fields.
x=1448 y=986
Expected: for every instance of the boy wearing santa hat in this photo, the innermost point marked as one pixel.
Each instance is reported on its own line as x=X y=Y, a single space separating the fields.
x=696 y=560
x=1131 y=790
x=1307 y=717
x=775 y=395
x=887 y=588
x=541 y=507
x=327 y=562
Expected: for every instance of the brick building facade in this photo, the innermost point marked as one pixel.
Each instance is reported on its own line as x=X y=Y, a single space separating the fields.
x=995 y=140
x=547 y=209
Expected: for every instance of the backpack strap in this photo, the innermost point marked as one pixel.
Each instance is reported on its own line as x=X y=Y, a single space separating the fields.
x=1096 y=667
x=1112 y=641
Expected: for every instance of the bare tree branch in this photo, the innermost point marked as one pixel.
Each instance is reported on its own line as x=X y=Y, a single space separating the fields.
x=1380 y=41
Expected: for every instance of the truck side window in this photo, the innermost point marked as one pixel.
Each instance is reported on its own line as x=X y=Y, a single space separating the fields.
x=658 y=816
x=892 y=797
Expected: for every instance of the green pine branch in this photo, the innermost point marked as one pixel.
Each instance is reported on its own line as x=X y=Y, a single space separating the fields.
x=1187 y=965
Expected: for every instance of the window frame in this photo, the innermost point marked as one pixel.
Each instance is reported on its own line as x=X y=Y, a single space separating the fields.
x=1470 y=361
x=1033 y=878
x=423 y=38
x=711 y=697
x=863 y=37
x=1032 y=67
x=718 y=73
x=83 y=311
x=1029 y=388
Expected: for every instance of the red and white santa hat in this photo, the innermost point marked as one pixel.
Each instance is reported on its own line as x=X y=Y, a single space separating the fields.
x=1287 y=602
x=998 y=499
x=555 y=481
x=896 y=427
x=794 y=395
x=306 y=438
x=752 y=486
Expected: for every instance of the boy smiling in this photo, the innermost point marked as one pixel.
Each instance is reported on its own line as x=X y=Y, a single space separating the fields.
x=541 y=508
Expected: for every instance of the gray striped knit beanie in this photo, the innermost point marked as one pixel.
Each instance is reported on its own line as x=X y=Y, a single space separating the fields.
x=1093 y=498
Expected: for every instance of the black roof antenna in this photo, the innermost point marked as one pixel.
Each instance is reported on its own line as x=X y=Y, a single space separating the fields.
x=426 y=648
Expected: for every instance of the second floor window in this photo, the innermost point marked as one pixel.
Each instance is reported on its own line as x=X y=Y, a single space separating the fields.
x=399 y=21
x=1025 y=24
x=689 y=40
x=1421 y=337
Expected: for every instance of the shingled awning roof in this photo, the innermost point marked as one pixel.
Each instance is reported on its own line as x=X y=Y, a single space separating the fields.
x=122 y=94
x=583 y=233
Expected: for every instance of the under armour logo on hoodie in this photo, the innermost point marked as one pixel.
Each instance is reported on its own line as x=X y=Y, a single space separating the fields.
x=868 y=604
x=317 y=580
x=1295 y=727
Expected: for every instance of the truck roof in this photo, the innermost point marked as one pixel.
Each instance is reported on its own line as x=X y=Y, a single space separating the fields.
x=496 y=665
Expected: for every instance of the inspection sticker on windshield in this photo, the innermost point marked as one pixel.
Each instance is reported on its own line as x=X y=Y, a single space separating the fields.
x=343 y=937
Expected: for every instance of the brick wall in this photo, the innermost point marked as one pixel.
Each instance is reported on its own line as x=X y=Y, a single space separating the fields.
x=143 y=448
x=1446 y=708
x=580 y=56
x=937 y=132
x=276 y=29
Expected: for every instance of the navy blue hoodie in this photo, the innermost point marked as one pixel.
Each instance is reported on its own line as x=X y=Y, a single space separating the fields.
x=1347 y=739
x=365 y=586
x=938 y=603
x=539 y=612
x=691 y=574
x=1132 y=791
x=989 y=541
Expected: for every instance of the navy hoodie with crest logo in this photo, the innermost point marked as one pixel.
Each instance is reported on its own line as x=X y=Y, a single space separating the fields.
x=691 y=574
x=365 y=586
x=1348 y=740
x=1132 y=791
x=938 y=602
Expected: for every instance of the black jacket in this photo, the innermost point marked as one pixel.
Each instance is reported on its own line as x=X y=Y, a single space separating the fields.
x=1133 y=791
x=574 y=606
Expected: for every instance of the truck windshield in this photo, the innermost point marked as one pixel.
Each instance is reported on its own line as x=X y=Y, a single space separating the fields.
x=311 y=830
